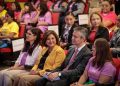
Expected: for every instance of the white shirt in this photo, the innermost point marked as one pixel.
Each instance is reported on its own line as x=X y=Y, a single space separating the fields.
x=30 y=60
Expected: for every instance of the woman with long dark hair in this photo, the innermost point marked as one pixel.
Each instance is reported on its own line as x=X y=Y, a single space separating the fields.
x=27 y=14
x=100 y=69
x=26 y=59
x=43 y=17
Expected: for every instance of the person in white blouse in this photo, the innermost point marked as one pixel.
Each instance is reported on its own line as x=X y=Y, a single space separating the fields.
x=26 y=58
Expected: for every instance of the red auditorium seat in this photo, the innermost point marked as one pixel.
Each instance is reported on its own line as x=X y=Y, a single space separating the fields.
x=116 y=62
x=55 y=18
x=21 y=34
x=86 y=9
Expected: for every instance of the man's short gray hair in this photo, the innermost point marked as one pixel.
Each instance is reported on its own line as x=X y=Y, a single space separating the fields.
x=82 y=30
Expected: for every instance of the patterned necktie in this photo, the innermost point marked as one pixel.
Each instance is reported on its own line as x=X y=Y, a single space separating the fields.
x=72 y=59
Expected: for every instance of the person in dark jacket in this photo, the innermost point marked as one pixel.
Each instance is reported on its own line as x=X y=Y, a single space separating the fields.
x=97 y=30
x=115 y=41
x=67 y=30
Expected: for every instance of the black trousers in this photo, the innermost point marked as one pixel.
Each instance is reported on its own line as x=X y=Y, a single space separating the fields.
x=45 y=82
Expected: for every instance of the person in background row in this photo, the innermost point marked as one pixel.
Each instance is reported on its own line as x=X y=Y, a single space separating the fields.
x=27 y=14
x=43 y=17
x=74 y=64
x=67 y=31
x=3 y=10
x=9 y=30
x=115 y=41
x=59 y=6
x=51 y=57
x=15 y=7
x=76 y=7
x=26 y=59
x=108 y=15
x=100 y=69
x=97 y=30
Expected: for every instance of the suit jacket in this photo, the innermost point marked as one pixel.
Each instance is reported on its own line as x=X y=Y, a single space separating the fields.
x=69 y=35
x=54 y=59
x=115 y=43
x=77 y=68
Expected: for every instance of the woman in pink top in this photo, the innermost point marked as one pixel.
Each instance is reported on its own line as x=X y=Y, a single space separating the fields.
x=100 y=69
x=109 y=17
x=43 y=17
x=27 y=14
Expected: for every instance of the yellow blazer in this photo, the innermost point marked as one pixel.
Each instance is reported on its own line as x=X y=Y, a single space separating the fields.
x=54 y=60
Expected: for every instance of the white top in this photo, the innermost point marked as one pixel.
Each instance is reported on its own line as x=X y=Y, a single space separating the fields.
x=30 y=60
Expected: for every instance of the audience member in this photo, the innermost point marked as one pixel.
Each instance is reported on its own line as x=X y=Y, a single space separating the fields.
x=76 y=6
x=26 y=59
x=67 y=31
x=100 y=69
x=115 y=41
x=15 y=7
x=10 y=29
x=51 y=57
x=59 y=6
x=27 y=14
x=108 y=15
x=74 y=64
x=97 y=30
x=43 y=17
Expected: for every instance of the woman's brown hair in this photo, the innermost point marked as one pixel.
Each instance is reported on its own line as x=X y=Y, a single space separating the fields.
x=46 y=34
x=103 y=53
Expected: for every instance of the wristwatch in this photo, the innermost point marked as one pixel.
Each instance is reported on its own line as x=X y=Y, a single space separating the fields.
x=59 y=74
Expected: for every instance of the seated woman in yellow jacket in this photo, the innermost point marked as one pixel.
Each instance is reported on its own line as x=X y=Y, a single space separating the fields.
x=51 y=57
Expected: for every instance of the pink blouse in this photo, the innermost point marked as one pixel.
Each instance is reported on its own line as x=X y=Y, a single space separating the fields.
x=111 y=16
x=27 y=18
x=46 y=18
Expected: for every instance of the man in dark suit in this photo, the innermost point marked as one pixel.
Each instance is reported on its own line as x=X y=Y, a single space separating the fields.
x=74 y=64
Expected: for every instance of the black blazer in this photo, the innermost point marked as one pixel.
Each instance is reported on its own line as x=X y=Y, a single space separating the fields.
x=102 y=32
x=69 y=35
x=77 y=68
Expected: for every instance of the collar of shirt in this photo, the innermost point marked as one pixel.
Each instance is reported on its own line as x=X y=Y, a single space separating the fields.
x=80 y=48
x=67 y=27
